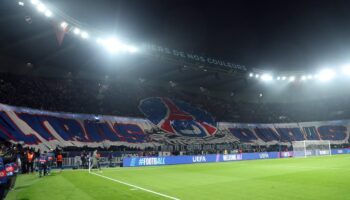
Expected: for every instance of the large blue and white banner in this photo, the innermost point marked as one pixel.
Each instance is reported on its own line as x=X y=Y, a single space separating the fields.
x=179 y=122
x=178 y=117
x=337 y=132
x=45 y=130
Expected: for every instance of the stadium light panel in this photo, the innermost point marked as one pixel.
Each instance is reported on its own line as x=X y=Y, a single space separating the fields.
x=346 y=70
x=64 y=25
x=278 y=78
x=84 y=35
x=257 y=75
x=284 y=78
x=132 y=49
x=21 y=3
x=326 y=75
x=34 y=2
x=112 y=45
x=48 y=13
x=266 y=77
x=251 y=74
x=309 y=77
x=99 y=41
x=41 y=7
x=303 y=78
x=76 y=31
x=292 y=78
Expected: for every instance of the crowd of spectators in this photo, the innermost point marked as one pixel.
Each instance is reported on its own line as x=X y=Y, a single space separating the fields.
x=25 y=157
x=121 y=99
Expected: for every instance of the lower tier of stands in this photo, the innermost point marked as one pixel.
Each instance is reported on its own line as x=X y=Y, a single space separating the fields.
x=48 y=130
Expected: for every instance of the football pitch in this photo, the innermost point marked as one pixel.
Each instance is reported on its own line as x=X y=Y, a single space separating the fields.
x=292 y=178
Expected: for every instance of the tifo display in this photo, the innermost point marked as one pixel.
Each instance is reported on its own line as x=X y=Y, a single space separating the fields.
x=45 y=130
x=190 y=100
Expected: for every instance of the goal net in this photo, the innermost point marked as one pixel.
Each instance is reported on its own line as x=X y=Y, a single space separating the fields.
x=308 y=148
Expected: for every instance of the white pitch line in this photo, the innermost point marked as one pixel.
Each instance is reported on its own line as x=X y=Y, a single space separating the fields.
x=134 y=186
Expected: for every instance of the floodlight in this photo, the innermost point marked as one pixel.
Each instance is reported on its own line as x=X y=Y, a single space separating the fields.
x=326 y=75
x=41 y=7
x=309 y=77
x=112 y=45
x=84 y=35
x=34 y=2
x=251 y=74
x=257 y=75
x=132 y=49
x=21 y=3
x=292 y=78
x=303 y=78
x=266 y=77
x=99 y=41
x=346 y=70
x=278 y=78
x=64 y=25
x=76 y=31
x=48 y=13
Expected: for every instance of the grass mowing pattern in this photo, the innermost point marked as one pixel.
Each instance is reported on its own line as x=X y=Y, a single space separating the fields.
x=312 y=178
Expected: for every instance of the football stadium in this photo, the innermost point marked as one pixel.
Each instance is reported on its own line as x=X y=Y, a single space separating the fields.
x=151 y=99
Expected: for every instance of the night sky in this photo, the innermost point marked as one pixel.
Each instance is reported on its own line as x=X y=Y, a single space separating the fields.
x=277 y=35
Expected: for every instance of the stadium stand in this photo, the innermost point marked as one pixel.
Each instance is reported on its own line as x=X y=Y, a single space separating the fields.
x=49 y=123
x=121 y=99
x=189 y=126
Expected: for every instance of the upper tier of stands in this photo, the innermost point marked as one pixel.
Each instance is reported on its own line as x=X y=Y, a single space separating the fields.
x=122 y=99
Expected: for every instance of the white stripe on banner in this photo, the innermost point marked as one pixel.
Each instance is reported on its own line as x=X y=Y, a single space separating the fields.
x=134 y=186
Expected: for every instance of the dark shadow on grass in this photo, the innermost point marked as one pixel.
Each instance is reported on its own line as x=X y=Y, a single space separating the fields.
x=53 y=174
x=21 y=187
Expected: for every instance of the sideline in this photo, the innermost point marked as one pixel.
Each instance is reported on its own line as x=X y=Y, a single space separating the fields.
x=134 y=186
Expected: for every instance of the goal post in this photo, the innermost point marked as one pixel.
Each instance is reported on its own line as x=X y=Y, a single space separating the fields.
x=307 y=148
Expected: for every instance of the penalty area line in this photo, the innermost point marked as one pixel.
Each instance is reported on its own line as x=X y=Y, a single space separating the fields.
x=135 y=186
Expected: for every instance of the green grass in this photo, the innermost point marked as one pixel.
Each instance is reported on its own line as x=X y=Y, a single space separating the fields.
x=312 y=178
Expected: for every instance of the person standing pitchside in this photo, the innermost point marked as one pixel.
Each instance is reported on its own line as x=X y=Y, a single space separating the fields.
x=59 y=161
x=96 y=160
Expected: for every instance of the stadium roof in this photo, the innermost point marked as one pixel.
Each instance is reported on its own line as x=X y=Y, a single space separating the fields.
x=270 y=35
